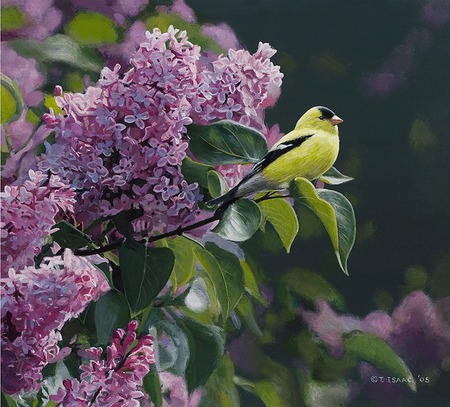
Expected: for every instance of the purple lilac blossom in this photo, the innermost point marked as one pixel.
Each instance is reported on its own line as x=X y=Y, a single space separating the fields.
x=238 y=87
x=113 y=377
x=36 y=302
x=41 y=19
x=418 y=330
x=29 y=214
x=25 y=73
x=222 y=34
x=181 y=8
x=18 y=163
x=17 y=133
x=436 y=13
x=122 y=52
x=121 y=143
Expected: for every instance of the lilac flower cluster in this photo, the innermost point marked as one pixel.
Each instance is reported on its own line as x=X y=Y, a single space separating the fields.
x=122 y=142
x=115 y=378
x=36 y=302
x=239 y=86
x=29 y=213
x=418 y=330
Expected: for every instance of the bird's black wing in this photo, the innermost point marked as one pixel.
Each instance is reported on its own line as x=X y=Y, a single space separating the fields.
x=272 y=155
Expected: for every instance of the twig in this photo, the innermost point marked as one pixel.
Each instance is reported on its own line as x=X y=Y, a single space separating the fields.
x=176 y=232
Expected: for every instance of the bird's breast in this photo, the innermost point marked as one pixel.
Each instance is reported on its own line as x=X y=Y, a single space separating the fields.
x=310 y=160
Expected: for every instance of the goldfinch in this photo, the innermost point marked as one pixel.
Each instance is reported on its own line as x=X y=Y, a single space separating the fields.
x=308 y=151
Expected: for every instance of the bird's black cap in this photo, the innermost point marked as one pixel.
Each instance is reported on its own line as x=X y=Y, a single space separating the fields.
x=327 y=113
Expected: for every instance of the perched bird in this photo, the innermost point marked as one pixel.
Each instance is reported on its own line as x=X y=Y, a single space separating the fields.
x=308 y=151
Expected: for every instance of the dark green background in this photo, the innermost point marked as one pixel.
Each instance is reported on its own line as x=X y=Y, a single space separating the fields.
x=403 y=192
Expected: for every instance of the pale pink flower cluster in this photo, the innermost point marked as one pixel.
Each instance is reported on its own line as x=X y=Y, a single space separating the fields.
x=114 y=377
x=29 y=212
x=36 y=302
x=121 y=143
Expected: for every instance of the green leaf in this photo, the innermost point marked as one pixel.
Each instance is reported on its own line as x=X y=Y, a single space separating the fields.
x=336 y=216
x=225 y=272
x=68 y=236
x=346 y=224
x=50 y=103
x=216 y=184
x=8 y=401
x=173 y=350
x=326 y=394
x=206 y=346
x=58 y=48
x=251 y=286
x=145 y=271
x=376 y=351
x=11 y=100
x=123 y=223
x=111 y=312
x=268 y=393
x=312 y=287
x=11 y=18
x=283 y=218
x=92 y=29
x=194 y=31
x=220 y=390
x=184 y=266
x=194 y=171
x=240 y=221
x=245 y=310
x=152 y=386
x=226 y=142
x=334 y=177
x=72 y=363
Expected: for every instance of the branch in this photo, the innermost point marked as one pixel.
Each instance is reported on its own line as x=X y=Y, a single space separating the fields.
x=176 y=232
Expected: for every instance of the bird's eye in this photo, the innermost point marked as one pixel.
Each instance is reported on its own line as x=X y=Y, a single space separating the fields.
x=322 y=117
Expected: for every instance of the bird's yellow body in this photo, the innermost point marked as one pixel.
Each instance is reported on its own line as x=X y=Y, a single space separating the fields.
x=315 y=157
x=308 y=151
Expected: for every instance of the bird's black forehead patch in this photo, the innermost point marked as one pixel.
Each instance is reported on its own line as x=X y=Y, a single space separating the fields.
x=328 y=114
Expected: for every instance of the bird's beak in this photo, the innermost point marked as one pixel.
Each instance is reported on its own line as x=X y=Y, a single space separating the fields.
x=336 y=120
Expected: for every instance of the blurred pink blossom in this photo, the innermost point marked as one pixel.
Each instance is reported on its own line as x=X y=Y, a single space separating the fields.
x=418 y=330
x=113 y=377
x=222 y=34
x=25 y=73
x=42 y=19
x=36 y=302
x=176 y=393
x=118 y=10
